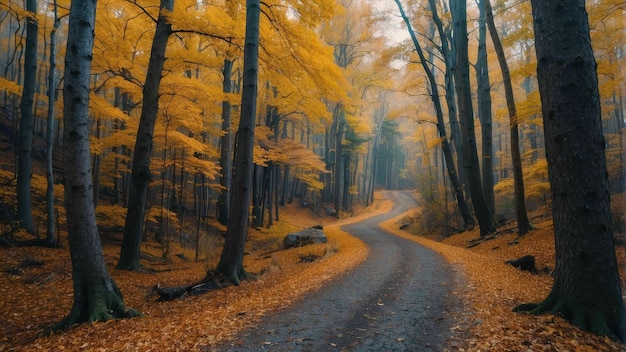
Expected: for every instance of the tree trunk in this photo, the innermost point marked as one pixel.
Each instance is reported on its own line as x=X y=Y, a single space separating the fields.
x=277 y=191
x=445 y=145
x=96 y=296
x=25 y=138
x=51 y=236
x=447 y=50
x=484 y=110
x=338 y=164
x=285 y=184
x=470 y=156
x=523 y=224
x=225 y=148
x=231 y=260
x=586 y=288
x=140 y=178
x=257 y=195
x=345 y=199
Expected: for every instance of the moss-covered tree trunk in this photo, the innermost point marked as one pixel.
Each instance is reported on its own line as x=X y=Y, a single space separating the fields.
x=96 y=296
x=586 y=287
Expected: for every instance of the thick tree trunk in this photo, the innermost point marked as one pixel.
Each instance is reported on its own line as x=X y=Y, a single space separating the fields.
x=140 y=178
x=231 y=260
x=225 y=148
x=25 y=134
x=586 y=288
x=523 y=224
x=96 y=296
x=470 y=155
x=445 y=145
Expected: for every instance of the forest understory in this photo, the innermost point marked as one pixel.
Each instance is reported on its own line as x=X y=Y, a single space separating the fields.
x=36 y=290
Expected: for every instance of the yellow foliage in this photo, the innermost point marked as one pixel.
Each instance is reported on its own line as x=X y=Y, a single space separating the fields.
x=312 y=180
x=111 y=215
x=505 y=185
x=359 y=125
x=433 y=143
x=537 y=170
x=212 y=20
x=16 y=9
x=101 y=108
x=10 y=86
x=155 y=212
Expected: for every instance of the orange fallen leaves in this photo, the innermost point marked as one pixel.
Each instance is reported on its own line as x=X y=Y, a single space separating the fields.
x=193 y=323
x=495 y=288
x=28 y=306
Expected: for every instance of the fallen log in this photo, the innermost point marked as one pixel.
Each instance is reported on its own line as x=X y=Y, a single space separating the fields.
x=526 y=263
x=211 y=282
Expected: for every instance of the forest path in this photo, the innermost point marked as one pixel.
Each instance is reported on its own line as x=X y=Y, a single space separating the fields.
x=399 y=299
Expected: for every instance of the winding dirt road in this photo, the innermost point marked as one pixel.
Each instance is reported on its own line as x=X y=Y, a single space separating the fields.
x=398 y=299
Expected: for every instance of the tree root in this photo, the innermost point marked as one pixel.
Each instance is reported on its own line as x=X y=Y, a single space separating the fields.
x=587 y=318
x=101 y=307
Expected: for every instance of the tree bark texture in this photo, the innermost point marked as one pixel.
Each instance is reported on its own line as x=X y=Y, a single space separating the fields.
x=231 y=260
x=96 y=296
x=586 y=287
x=25 y=133
x=464 y=94
x=140 y=176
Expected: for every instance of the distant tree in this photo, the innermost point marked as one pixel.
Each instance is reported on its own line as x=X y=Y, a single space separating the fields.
x=141 y=176
x=96 y=296
x=586 y=288
x=25 y=138
x=231 y=260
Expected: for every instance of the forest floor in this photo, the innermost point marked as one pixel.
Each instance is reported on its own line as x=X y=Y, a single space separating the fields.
x=36 y=290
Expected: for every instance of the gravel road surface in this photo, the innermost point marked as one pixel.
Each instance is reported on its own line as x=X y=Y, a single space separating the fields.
x=399 y=299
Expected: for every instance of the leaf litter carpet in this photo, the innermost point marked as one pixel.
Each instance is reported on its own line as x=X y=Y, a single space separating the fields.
x=33 y=298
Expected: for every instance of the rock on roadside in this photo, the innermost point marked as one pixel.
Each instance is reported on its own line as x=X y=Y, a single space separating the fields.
x=307 y=236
